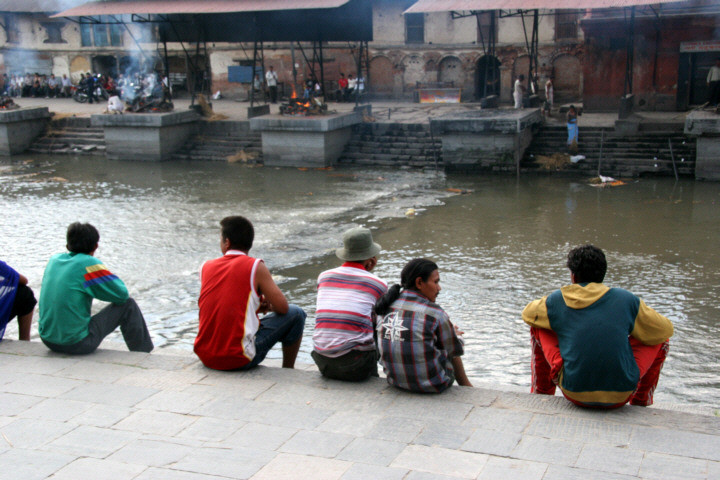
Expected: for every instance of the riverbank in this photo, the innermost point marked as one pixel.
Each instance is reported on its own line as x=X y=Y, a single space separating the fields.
x=123 y=415
x=382 y=111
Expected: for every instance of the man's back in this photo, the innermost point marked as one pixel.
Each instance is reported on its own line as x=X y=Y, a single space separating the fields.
x=70 y=282
x=593 y=324
x=228 y=302
x=346 y=296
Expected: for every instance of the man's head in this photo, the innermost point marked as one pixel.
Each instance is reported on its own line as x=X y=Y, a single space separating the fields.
x=82 y=238
x=587 y=264
x=237 y=233
x=358 y=246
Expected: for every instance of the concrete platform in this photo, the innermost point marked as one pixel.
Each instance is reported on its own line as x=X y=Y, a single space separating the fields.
x=313 y=141
x=20 y=127
x=706 y=126
x=146 y=136
x=486 y=139
x=122 y=415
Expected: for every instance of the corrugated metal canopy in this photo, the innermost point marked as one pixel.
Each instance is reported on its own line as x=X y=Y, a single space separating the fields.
x=238 y=20
x=164 y=7
x=37 y=6
x=429 y=6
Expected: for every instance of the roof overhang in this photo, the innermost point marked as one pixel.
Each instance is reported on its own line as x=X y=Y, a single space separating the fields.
x=430 y=6
x=237 y=20
x=166 y=7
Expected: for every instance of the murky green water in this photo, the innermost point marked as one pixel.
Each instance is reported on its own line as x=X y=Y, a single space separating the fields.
x=498 y=247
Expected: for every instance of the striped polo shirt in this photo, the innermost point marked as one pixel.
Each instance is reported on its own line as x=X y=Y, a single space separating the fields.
x=344 y=322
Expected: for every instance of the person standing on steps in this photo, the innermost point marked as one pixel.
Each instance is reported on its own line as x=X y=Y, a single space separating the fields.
x=271 y=78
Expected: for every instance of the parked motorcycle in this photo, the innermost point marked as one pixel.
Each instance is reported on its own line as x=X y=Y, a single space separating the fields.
x=80 y=95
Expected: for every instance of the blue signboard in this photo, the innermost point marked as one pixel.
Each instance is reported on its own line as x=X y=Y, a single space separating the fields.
x=242 y=74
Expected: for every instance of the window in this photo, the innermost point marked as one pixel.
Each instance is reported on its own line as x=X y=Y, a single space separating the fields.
x=101 y=35
x=54 y=32
x=487 y=29
x=146 y=32
x=566 y=24
x=415 y=28
x=12 y=32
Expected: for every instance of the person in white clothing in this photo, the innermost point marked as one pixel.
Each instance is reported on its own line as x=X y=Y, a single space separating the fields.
x=271 y=78
x=713 y=81
x=519 y=91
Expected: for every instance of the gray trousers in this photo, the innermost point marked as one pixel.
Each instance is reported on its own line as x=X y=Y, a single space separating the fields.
x=125 y=315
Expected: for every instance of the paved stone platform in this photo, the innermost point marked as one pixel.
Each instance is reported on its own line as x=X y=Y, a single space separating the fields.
x=123 y=415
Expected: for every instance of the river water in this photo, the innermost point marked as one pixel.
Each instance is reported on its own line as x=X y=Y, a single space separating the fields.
x=499 y=244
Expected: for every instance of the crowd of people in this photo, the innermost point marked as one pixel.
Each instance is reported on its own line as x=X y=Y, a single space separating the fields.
x=36 y=86
x=95 y=86
x=604 y=347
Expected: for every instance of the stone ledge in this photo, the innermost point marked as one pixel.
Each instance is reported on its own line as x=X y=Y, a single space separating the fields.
x=319 y=123
x=144 y=119
x=23 y=114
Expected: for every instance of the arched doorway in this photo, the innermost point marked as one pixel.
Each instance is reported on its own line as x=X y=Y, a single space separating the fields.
x=567 y=81
x=381 y=76
x=487 y=77
x=451 y=71
x=105 y=65
x=78 y=65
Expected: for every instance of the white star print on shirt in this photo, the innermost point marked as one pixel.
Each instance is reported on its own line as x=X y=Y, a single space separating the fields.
x=393 y=327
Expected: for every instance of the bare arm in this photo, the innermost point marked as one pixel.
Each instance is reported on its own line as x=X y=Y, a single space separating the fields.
x=266 y=287
x=460 y=375
x=23 y=279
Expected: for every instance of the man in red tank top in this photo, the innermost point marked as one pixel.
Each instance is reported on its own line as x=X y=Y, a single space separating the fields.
x=234 y=289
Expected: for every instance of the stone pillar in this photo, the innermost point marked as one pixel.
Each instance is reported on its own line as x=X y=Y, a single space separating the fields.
x=706 y=126
x=19 y=128
x=149 y=137
x=316 y=141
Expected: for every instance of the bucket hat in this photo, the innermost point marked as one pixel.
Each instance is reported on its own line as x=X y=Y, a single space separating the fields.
x=357 y=245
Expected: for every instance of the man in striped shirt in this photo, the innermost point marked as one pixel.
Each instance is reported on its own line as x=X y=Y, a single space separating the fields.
x=344 y=346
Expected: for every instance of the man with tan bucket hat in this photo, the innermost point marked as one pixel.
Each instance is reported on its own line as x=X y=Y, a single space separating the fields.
x=344 y=346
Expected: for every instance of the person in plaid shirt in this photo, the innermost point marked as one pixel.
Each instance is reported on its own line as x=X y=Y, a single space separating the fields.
x=419 y=347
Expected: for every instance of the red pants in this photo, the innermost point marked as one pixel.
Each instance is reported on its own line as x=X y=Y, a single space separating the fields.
x=546 y=364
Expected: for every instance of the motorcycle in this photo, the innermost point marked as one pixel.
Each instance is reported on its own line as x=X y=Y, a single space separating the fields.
x=80 y=95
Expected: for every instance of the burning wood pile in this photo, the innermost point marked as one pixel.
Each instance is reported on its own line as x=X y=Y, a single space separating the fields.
x=7 y=103
x=304 y=107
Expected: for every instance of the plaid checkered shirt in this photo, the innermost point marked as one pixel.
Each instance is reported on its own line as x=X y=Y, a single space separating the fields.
x=417 y=343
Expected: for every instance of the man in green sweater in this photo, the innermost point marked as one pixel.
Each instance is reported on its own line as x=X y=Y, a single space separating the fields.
x=70 y=283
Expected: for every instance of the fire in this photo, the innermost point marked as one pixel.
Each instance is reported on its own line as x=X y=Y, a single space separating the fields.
x=294 y=94
x=299 y=107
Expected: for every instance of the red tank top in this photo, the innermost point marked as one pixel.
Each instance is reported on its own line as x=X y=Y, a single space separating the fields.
x=228 y=305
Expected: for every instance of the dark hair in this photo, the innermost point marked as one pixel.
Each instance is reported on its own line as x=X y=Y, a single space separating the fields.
x=587 y=263
x=239 y=231
x=417 y=267
x=82 y=238
x=521 y=77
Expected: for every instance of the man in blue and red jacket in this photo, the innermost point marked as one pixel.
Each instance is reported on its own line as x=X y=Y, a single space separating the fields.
x=602 y=346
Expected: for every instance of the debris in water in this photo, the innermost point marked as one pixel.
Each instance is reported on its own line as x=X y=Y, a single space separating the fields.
x=602 y=181
x=242 y=156
x=410 y=212
x=556 y=161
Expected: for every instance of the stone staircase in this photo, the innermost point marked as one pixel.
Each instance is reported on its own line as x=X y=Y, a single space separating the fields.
x=392 y=144
x=223 y=141
x=70 y=136
x=644 y=153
